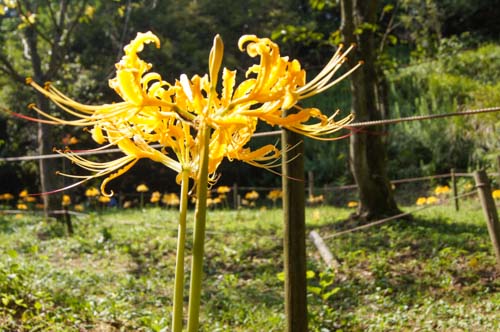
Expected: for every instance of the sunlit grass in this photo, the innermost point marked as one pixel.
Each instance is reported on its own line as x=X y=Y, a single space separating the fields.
x=432 y=273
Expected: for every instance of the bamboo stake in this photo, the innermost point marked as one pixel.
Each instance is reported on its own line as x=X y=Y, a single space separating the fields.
x=325 y=253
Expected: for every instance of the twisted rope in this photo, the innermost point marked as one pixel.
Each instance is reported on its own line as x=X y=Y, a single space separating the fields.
x=278 y=132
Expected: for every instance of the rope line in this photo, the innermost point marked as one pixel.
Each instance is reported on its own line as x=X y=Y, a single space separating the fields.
x=397 y=216
x=278 y=132
x=425 y=117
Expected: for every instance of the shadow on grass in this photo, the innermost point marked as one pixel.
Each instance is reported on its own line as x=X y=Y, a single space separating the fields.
x=404 y=262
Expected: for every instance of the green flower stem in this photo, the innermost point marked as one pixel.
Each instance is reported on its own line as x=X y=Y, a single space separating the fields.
x=179 y=263
x=199 y=233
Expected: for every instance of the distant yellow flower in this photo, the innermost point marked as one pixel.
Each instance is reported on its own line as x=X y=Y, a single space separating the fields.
x=104 y=199
x=22 y=206
x=142 y=188
x=223 y=189
x=214 y=201
x=252 y=195
x=23 y=193
x=441 y=190
x=66 y=200
x=6 y=197
x=421 y=201
x=431 y=200
x=352 y=204
x=155 y=197
x=496 y=194
x=171 y=199
x=315 y=199
x=274 y=194
x=29 y=199
x=73 y=140
x=79 y=208
x=92 y=192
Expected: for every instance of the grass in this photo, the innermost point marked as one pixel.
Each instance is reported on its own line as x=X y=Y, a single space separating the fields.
x=434 y=273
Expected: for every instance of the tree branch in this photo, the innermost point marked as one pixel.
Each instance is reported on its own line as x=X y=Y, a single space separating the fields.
x=9 y=69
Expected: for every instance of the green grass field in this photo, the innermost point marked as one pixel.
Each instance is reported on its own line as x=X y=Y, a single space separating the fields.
x=434 y=273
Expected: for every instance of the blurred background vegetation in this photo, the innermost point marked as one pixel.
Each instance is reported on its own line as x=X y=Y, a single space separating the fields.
x=439 y=56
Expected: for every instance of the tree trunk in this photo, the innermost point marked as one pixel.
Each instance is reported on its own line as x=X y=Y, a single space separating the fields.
x=367 y=150
x=47 y=167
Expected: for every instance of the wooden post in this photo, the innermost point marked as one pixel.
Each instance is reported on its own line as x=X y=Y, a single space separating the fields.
x=454 y=185
x=67 y=220
x=498 y=170
x=490 y=211
x=294 y=237
x=236 y=202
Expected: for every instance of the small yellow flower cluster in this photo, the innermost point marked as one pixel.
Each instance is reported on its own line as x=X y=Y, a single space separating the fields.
x=315 y=199
x=352 y=204
x=155 y=197
x=442 y=190
x=170 y=199
x=431 y=200
x=274 y=195
x=92 y=192
x=142 y=188
x=496 y=194
x=252 y=195
x=66 y=200
x=6 y=197
x=223 y=190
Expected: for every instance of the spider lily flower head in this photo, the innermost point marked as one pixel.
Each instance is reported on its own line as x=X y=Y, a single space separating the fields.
x=171 y=115
x=66 y=200
x=142 y=188
x=155 y=197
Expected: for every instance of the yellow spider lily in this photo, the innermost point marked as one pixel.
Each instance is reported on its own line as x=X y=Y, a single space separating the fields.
x=154 y=111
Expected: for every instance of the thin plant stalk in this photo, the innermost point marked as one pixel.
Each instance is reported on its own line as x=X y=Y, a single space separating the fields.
x=199 y=233
x=177 y=310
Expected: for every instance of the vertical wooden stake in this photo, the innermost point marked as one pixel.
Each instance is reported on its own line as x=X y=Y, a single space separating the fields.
x=454 y=185
x=490 y=211
x=67 y=220
x=236 y=202
x=294 y=242
x=498 y=170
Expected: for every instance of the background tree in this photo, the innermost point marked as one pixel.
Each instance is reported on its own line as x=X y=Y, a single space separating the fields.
x=43 y=31
x=367 y=149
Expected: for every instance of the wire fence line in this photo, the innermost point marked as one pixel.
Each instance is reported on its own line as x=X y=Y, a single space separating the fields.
x=277 y=132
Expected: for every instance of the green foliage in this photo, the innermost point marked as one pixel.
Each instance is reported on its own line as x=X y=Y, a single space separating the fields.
x=452 y=82
x=436 y=272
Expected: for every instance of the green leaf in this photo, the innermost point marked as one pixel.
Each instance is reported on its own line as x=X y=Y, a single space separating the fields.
x=393 y=40
x=12 y=253
x=314 y=290
x=327 y=295
x=5 y=301
x=281 y=276
x=37 y=305
x=388 y=8
x=310 y=274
